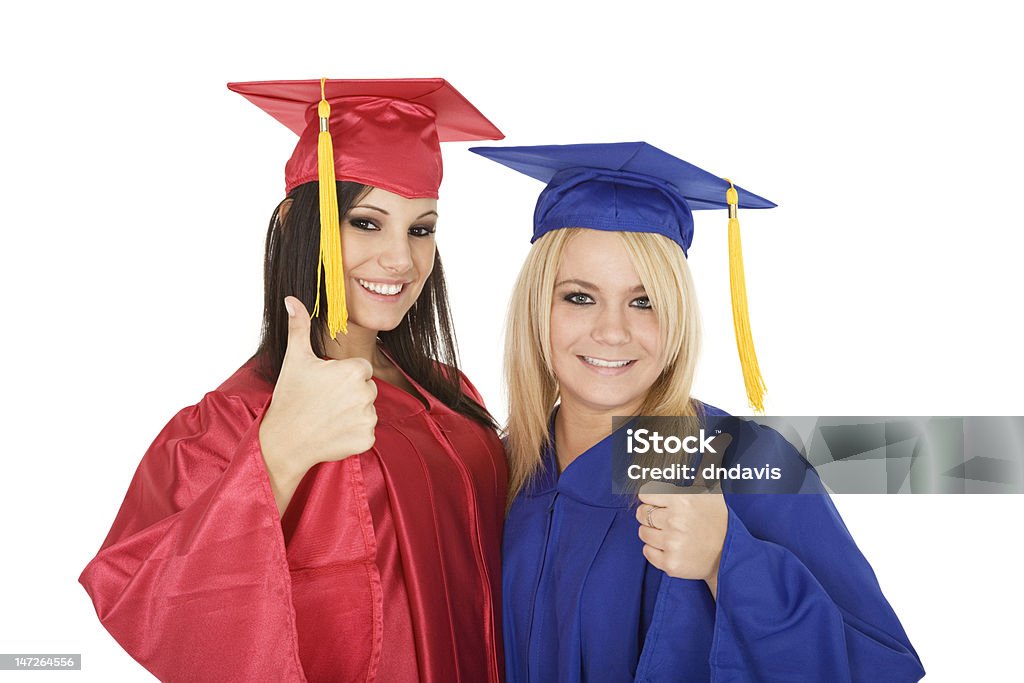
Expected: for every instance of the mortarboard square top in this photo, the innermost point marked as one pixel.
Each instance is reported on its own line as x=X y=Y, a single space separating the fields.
x=386 y=132
x=627 y=186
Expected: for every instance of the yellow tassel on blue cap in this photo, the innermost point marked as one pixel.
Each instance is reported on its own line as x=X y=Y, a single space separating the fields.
x=740 y=317
x=330 y=263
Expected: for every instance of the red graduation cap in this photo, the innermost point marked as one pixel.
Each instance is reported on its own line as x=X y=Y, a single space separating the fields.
x=386 y=132
x=380 y=132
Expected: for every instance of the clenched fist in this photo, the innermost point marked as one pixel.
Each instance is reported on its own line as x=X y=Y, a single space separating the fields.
x=321 y=410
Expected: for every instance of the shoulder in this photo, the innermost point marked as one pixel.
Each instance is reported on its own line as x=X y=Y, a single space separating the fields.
x=227 y=411
x=197 y=445
x=246 y=386
x=709 y=410
x=775 y=464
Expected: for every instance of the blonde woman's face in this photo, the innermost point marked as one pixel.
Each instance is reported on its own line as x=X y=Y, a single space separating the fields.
x=605 y=342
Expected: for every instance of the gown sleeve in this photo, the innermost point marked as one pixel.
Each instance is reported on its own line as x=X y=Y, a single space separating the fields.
x=797 y=601
x=193 y=579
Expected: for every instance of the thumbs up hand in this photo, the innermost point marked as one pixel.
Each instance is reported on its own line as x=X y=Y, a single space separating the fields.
x=683 y=530
x=321 y=410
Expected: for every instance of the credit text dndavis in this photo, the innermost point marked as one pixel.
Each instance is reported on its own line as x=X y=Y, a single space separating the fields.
x=647 y=441
x=681 y=473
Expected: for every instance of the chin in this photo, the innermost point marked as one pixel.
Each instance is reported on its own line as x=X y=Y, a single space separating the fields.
x=615 y=407
x=377 y=323
x=610 y=400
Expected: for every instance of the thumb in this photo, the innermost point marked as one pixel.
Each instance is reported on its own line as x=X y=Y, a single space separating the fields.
x=711 y=462
x=298 y=329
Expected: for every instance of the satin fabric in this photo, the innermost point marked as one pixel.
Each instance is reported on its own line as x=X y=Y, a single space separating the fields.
x=384 y=567
x=383 y=142
x=631 y=186
x=797 y=601
x=386 y=132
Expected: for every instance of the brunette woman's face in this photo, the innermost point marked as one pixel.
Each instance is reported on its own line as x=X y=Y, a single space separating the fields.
x=387 y=244
x=605 y=343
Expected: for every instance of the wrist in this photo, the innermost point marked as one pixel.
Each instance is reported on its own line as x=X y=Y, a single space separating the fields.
x=282 y=467
x=712 y=578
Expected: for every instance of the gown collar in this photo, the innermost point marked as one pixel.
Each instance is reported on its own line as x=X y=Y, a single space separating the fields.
x=399 y=403
x=587 y=479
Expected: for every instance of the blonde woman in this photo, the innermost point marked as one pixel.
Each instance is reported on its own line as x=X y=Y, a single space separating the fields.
x=596 y=587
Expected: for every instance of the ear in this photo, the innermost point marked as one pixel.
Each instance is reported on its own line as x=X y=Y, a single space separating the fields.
x=282 y=210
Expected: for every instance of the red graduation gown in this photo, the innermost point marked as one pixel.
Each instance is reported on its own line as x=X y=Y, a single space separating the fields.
x=384 y=567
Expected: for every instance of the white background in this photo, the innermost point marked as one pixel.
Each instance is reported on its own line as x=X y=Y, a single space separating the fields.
x=137 y=188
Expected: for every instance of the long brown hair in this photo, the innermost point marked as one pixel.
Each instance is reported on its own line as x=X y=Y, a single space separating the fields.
x=422 y=345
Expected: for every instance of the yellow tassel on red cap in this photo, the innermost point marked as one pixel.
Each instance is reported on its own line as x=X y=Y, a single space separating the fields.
x=740 y=317
x=330 y=263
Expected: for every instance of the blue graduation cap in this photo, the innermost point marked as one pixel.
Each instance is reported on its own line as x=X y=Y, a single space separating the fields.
x=636 y=187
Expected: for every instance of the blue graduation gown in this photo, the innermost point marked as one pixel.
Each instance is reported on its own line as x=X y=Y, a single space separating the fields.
x=797 y=601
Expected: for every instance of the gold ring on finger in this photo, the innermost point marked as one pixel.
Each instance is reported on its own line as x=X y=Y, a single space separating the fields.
x=650 y=521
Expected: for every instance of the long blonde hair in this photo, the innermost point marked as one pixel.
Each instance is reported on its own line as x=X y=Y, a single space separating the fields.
x=531 y=382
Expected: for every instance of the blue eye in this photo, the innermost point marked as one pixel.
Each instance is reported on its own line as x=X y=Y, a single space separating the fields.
x=579 y=299
x=642 y=302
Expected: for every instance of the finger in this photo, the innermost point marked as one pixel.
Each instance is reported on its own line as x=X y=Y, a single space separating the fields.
x=658 y=499
x=710 y=462
x=645 y=513
x=363 y=370
x=298 y=329
x=654 y=556
x=656 y=487
x=659 y=493
x=641 y=513
x=652 y=537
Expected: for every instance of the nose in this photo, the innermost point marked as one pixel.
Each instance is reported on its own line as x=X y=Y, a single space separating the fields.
x=611 y=327
x=396 y=255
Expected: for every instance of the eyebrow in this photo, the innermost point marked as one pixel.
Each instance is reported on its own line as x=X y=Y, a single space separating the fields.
x=377 y=208
x=591 y=285
x=371 y=207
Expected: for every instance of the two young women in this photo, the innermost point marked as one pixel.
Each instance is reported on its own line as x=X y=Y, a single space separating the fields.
x=333 y=511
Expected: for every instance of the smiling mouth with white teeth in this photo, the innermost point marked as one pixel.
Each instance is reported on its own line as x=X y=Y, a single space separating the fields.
x=381 y=288
x=601 y=363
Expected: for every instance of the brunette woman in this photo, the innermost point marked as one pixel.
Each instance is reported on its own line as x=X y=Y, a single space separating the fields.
x=332 y=511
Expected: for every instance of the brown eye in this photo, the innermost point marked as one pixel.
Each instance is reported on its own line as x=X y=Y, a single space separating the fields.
x=422 y=230
x=363 y=224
